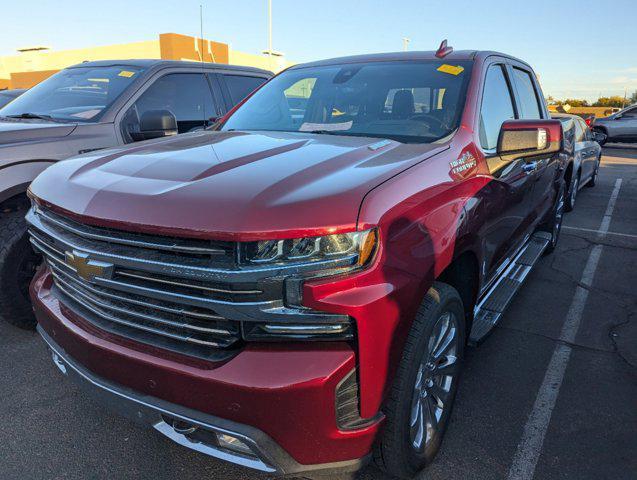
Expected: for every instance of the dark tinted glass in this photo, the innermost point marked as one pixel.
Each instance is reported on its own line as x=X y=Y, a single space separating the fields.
x=409 y=101
x=186 y=95
x=530 y=108
x=241 y=85
x=497 y=107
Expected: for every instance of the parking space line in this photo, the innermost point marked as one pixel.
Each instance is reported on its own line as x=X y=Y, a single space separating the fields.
x=599 y=232
x=530 y=446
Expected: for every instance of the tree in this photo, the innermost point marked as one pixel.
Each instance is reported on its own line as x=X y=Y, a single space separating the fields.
x=614 y=101
x=633 y=98
x=575 y=102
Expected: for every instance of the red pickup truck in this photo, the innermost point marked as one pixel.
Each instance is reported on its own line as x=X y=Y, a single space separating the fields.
x=293 y=290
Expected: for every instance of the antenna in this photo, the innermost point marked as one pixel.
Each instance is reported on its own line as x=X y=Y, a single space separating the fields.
x=201 y=32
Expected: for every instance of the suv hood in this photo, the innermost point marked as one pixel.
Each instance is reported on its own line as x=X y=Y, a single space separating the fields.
x=21 y=130
x=229 y=185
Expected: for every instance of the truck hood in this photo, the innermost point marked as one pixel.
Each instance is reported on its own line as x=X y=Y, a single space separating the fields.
x=20 y=131
x=229 y=185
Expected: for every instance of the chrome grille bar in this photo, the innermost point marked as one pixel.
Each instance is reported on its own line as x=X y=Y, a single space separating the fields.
x=104 y=235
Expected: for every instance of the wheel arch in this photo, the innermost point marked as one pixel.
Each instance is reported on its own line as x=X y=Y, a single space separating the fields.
x=463 y=274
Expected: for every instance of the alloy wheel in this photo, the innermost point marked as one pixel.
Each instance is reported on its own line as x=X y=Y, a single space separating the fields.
x=559 y=214
x=437 y=374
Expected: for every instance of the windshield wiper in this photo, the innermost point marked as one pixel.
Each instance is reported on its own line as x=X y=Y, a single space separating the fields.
x=33 y=115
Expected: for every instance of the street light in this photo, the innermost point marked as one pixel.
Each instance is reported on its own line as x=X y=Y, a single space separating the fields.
x=406 y=43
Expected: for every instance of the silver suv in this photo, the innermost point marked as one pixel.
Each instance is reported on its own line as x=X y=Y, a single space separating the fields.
x=619 y=127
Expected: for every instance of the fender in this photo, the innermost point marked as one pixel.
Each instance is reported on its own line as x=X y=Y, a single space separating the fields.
x=16 y=177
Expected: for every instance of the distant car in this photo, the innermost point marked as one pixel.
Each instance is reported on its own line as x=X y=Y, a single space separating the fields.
x=618 y=127
x=7 y=95
x=582 y=154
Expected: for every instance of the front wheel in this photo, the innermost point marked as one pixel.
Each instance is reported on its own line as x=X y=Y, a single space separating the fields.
x=18 y=263
x=421 y=400
x=554 y=223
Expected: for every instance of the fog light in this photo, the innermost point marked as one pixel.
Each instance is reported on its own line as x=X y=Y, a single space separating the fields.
x=232 y=443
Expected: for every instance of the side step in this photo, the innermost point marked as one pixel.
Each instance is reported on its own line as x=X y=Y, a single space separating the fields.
x=492 y=306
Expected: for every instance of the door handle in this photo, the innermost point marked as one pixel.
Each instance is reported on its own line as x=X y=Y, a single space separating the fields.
x=529 y=167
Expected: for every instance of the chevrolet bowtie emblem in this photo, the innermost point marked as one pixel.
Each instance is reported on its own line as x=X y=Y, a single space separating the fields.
x=85 y=267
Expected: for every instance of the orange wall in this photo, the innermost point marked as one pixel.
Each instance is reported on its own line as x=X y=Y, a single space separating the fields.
x=28 y=79
x=174 y=46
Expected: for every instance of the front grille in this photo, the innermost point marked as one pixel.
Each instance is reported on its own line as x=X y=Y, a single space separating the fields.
x=185 y=295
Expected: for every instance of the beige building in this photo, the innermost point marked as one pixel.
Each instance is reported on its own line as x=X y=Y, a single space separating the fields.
x=33 y=64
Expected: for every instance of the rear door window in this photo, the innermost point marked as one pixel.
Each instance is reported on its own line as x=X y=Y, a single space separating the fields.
x=240 y=86
x=497 y=106
x=527 y=96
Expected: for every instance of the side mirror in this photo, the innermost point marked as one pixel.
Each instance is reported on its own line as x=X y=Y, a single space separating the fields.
x=524 y=138
x=156 y=124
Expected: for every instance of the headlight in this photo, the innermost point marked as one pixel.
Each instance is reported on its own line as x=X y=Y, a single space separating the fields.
x=356 y=246
x=296 y=260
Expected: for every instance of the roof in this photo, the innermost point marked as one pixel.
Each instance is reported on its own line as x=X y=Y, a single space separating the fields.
x=148 y=63
x=456 y=55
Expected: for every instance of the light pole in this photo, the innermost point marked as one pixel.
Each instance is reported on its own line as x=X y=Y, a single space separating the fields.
x=270 y=32
x=406 y=43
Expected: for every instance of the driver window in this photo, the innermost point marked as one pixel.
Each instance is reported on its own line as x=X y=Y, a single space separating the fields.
x=497 y=107
x=186 y=95
x=630 y=113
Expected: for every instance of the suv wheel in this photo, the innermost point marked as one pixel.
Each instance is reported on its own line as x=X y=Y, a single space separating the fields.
x=602 y=136
x=18 y=263
x=421 y=400
x=572 y=194
x=554 y=224
x=593 y=180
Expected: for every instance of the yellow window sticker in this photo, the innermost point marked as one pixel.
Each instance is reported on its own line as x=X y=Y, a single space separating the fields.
x=126 y=73
x=451 y=69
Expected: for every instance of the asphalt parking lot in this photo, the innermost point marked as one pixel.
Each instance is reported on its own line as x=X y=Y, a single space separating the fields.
x=551 y=394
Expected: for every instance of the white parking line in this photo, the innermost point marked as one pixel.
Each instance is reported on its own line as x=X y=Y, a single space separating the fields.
x=530 y=446
x=598 y=232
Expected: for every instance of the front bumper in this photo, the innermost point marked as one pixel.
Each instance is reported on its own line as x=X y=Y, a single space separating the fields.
x=278 y=400
x=189 y=428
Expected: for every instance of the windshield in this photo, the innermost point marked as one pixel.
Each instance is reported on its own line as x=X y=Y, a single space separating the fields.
x=408 y=101
x=79 y=94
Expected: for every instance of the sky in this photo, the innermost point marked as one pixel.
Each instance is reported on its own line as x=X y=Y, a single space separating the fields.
x=578 y=48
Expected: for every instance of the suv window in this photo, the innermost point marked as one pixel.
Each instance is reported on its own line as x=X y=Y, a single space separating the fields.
x=186 y=95
x=529 y=104
x=241 y=85
x=497 y=107
x=632 y=113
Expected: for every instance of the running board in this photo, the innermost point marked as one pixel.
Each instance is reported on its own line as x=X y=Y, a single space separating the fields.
x=488 y=312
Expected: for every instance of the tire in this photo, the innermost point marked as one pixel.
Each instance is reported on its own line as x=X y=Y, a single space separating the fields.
x=18 y=263
x=569 y=205
x=554 y=223
x=604 y=139
x=417 y=386
x=591 y=183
